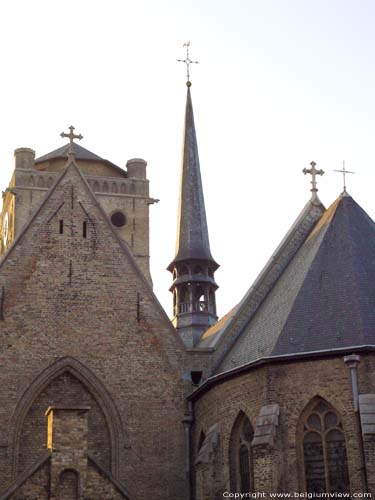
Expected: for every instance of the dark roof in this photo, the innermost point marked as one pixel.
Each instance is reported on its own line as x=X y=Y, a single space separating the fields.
x=80 y=153
x=324 y=299
x=192 y=231
x=225 y=338
x=215 y=330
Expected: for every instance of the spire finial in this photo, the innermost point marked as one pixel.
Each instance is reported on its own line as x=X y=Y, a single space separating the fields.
x=71 y=136
x=187 y=61
x=343 y=171
x=313 y=172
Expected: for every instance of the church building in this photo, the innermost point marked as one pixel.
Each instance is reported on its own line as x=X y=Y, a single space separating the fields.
x=106 y=396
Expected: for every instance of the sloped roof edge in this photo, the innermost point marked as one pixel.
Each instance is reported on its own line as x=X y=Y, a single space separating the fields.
x=111 y=478
x=80 y=153
x=266 y=279
x=282 y=358
x=122 y=244
x=22 y=478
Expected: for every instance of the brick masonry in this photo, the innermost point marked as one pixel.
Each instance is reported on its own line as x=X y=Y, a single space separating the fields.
x=293 y=386
x=80 y=326
x=77 y=311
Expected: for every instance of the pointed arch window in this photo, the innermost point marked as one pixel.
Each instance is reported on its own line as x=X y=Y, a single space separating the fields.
x=324 y=450
x=240 y=455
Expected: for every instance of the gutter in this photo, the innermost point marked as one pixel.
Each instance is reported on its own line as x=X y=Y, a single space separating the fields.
x=282 y=358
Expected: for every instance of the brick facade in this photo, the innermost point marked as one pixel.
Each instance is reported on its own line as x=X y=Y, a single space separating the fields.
x=82 y=326
x=293 y=386
x=95 y=383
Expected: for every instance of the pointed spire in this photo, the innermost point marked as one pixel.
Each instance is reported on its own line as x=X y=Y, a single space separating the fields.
x=193 y=288
x=192 y=231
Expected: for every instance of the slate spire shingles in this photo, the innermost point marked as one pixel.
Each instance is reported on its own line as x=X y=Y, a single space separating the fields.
x=192 y=231
x=193 y=268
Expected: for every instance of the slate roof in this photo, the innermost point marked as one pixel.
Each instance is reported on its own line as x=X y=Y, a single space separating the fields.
x=80 y=153
x=211 y=335
x=192 y=231
x=324 y=299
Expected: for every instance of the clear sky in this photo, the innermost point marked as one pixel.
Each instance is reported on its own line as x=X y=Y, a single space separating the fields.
x=279 y=84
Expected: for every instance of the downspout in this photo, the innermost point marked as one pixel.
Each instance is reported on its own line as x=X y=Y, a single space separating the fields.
x=352 y=362
x=188 y=422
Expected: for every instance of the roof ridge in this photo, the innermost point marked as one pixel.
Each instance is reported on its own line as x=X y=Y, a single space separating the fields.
x=80 y=152
x=335 y=264
x=63 y=152
x=268 y=277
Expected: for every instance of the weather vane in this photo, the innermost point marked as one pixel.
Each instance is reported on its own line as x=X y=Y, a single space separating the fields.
x=343 y=171
x=187 y=61
x=313 y=172
x=71 y=136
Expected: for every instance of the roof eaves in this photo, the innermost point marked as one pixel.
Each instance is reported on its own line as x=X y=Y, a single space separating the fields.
x=282 y=358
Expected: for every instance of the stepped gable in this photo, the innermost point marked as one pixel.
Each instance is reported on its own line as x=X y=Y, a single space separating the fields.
x=324 y=300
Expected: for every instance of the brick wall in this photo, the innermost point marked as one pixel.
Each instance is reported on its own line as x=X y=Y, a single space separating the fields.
x=82 y=298
x=63 y=390
x=292 y=386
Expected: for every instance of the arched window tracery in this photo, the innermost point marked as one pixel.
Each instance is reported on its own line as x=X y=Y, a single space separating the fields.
x=324 y=450
x=240 y=455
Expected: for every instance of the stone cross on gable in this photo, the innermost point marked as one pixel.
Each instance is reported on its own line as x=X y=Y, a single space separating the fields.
x=344 y=172
x=71 y=136
x=187 y=61
x=313 y=172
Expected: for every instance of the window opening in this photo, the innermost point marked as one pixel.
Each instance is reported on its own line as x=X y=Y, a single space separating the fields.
x=324 y=451
x=118 y=219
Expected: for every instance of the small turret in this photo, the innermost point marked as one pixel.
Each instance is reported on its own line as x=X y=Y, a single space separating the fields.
x=24 y=158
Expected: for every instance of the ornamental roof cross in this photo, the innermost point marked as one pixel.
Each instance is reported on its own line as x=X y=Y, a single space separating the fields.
x=344 y=172
x=71 y=136
x=313 y=172
x=187 y=61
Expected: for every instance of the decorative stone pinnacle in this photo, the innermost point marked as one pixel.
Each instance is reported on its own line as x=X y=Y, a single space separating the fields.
x=71 y=136
x=313 y=172
x=187 y=61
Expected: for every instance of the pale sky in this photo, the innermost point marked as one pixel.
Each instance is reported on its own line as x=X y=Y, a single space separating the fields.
x=279 y=84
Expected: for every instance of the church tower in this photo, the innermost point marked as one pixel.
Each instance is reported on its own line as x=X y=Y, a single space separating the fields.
x=193 y=268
